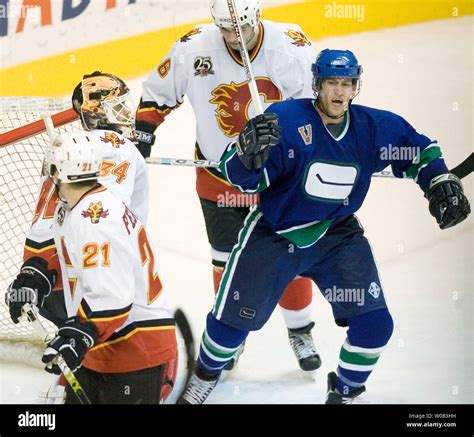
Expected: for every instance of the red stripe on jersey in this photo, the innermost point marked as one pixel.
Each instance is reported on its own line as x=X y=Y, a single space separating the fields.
x=153 y=116
x=142 y=348
x=106 y=326
x=210 y=187
x=50 y=255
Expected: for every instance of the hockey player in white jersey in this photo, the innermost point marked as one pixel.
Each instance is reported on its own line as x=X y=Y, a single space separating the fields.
x=205 y=65
x=119 y=326
x=104 y=106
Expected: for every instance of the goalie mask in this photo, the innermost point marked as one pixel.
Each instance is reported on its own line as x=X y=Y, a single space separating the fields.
x=103 y=101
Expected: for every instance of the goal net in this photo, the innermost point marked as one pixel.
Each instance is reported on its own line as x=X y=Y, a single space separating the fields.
x=22 y=144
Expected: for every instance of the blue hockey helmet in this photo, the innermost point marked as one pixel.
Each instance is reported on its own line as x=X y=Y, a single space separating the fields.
x=335 y=63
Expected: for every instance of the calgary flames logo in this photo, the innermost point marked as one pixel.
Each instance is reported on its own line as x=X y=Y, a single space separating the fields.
x=190 y=34
x=95 y=212
x=233 y=103
x=299 y=39
x=110 y=137
x=61 y=215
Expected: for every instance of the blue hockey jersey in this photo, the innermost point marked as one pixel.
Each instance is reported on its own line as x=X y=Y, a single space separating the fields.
x=310 y=178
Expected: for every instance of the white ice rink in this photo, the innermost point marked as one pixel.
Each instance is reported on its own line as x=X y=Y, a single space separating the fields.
x=423 y=72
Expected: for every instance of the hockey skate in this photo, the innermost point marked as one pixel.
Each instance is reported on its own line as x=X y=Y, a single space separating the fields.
x=301 y=342
x=335 y=398
x=232 y=364
x=199 y=388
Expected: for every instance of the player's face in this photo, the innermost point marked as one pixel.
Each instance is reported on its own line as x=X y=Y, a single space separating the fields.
x=335 y=95
x=248 y=34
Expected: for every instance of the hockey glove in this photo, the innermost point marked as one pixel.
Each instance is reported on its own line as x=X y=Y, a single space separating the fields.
x=447 y=201
x=144 y=137
x=32 y=285
x=72 y=341
x=254 y=142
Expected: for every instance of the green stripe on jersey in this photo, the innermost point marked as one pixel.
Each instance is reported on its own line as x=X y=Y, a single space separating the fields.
x=262 y=184
x=426 y=156
x=306 y=235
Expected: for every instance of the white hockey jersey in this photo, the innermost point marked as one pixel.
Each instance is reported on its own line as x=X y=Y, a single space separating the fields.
x=202 y=66
x=124 y=172
x=110 y=278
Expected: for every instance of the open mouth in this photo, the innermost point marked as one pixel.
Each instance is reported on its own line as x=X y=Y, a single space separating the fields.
x=337 y=103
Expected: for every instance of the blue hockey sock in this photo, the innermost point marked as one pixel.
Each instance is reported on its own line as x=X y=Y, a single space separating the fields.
x=218 y=345
x=367 y=337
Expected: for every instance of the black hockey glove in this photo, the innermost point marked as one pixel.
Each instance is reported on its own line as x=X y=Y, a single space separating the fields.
x=254 y=142
x=144 y=137
x=32 y=285
x=447 y=201
x=72 y=341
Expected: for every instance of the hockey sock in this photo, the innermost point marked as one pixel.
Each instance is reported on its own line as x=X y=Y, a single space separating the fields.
x=217 y=276
x=218 y=345
x=367 y=337
x=295 y=303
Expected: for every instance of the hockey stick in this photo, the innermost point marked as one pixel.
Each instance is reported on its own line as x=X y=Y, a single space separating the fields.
x=203 y=163
x=49 y=125
x=183 y=162
x=186 y=333
x=58 y=360
x=466 y=167
x=245 y=57
x=461 y=170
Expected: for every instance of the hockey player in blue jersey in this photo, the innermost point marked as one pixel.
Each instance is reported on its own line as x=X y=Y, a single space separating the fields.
x=312 y=160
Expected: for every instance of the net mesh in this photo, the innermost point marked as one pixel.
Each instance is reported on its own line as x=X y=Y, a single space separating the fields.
x=20 y=169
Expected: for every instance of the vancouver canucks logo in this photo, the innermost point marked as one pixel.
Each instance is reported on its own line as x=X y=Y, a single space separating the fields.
x=112 y=138
x=233 y=103
x=299 y=38
x=331 y=182
x=95 y=212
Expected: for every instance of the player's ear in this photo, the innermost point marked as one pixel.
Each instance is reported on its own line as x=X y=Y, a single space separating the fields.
x=52 y=171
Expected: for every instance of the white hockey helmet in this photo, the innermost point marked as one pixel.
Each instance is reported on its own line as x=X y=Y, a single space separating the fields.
x=248 y=12
x=76 y=156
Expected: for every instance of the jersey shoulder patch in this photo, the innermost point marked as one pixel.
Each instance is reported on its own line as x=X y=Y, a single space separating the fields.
x=109 y=137
x=188 y=36
x=298 y=38
x=95 y=211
